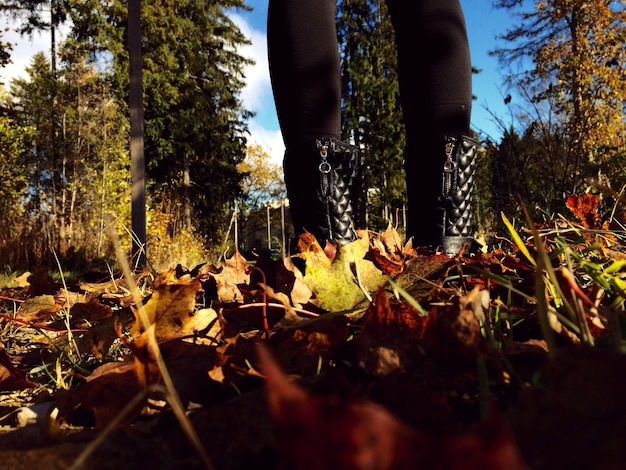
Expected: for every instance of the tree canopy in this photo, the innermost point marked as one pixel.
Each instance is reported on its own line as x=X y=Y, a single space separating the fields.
x=567 y=59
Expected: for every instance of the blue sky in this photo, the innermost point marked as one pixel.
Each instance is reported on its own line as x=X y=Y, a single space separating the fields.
x=484 y=23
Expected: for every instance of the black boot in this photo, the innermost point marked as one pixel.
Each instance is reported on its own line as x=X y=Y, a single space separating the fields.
x=457 y=187
x=319 y=177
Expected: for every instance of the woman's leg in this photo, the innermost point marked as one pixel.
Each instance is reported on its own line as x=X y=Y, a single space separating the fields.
x=435 y=76
x=306 y=80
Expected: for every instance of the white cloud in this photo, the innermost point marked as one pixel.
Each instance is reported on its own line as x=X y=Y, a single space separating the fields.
x=258 y=87
x=257 y=94
x=270 y=140
x=24 y=48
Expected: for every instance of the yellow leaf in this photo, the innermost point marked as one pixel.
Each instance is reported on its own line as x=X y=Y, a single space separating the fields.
x=171 y=307
x=333 y=284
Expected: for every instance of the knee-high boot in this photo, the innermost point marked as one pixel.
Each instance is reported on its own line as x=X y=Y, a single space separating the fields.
x=456 y=196
x=319 y=176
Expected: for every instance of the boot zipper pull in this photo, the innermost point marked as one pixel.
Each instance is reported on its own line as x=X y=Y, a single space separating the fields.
x=448 y=168
x=324 y=165
x=324 y=168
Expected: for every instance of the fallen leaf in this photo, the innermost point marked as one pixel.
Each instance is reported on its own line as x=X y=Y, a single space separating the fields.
x=390 y=339
x=171 y=307
x=38 y=309
x=110 y=387
x=585 y=207
x=104 y=394
x=334 y=284
x=86 y=314
x=11 y=379
x=326 y=432
x=386 y=252
x=300 y=293
x=234 y=272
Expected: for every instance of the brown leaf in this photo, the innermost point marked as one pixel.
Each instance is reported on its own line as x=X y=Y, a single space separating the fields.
x=318 y=431
x=579 y=409
x=41 y=283
x=113 y=385
x=300 y=292
x=145 y=354
x=310 y=249
x=223 y=355
x=234 y=271
x=11 y=379
x=386 y=252
x=490 y=446
x=325 y=432
x=84 y=315
x=391 y=335
x=105 y=393
x=38 y=309
x=308 y=346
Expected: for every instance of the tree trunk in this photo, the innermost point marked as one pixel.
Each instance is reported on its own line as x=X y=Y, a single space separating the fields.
x=137 y=157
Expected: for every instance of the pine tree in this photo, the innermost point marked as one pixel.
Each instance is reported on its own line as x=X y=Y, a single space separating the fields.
x=192 y=76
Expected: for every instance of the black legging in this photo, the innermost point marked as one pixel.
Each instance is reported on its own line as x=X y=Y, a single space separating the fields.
x=434 y=76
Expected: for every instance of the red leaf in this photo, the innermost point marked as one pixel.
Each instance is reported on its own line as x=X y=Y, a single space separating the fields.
x=585 y=207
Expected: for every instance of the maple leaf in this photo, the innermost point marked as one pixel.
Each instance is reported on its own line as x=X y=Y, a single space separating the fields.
x=330 y=431
x=223 y=355
x=111 y=386
x=85 y=314
x=38 y=309
x=171 y=307
x=334 y=282
x=389 y=340
x=490 y=446
x=300 y=292
x=386 y=251
x=234 y=272
x=105 y=392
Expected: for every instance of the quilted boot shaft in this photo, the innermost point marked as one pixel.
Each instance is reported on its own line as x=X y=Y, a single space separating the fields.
x=457 y=187
x=319 y=179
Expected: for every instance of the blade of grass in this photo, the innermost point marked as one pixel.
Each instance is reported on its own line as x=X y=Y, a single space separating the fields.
x=545 y=278
x=175 y=401
x=410 y=300
x=518 y=240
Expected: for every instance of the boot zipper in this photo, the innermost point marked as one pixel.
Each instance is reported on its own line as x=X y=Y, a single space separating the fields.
x=448 y=169
x=324 y=168
x=325 y=179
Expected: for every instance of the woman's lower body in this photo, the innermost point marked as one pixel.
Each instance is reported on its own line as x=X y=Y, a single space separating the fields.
x=434 y=72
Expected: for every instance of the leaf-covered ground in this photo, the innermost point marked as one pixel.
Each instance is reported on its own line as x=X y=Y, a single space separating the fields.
x=372 y=356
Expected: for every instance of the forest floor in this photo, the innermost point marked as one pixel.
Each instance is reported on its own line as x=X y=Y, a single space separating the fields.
x=374 y=356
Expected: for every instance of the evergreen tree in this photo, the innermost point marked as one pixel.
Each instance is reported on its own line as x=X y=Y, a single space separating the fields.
x=192 y=76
